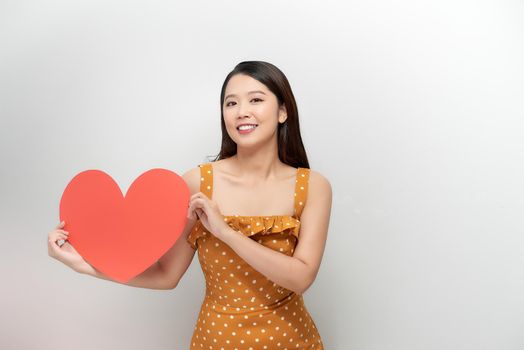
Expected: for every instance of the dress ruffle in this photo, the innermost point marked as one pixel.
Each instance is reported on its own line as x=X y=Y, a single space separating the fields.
x=250 y=226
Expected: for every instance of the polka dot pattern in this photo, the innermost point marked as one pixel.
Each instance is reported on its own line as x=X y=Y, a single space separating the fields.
x=242 y=309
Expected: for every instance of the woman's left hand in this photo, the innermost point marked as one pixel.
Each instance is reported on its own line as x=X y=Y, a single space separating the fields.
x=208 y=213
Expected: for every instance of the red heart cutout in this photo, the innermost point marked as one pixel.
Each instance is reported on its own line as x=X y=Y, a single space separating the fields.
x=123 y=236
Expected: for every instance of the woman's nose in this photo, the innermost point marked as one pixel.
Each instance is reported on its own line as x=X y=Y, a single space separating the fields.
x=243 y=110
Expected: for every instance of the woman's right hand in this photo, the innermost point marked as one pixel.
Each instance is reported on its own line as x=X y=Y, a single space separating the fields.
x=65 y=252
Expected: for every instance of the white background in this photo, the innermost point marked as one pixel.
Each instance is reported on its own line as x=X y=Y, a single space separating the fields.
x=412 y=109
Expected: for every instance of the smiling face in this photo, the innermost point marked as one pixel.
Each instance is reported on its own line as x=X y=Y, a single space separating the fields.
x=248 y=101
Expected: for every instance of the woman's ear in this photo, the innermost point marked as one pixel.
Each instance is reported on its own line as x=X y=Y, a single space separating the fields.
x=282 y=114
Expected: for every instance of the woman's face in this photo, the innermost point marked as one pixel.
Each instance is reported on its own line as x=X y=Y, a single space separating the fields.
x=248 y=101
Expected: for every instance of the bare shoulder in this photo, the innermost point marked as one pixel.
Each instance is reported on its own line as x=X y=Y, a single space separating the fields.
x=192 y=179
x=319 y=184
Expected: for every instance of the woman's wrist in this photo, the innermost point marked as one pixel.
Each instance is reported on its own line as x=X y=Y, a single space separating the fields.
x=223 y=232
x=226 y=233
x=82 y=267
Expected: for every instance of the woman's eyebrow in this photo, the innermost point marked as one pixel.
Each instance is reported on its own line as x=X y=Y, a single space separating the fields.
x=250 y=92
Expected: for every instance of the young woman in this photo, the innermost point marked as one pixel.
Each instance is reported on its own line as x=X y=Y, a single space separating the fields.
x=258 y=217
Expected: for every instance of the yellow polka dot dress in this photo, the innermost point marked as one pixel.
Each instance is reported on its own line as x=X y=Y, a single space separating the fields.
x=242 y=309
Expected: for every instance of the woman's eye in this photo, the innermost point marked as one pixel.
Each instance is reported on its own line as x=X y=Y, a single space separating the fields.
x=256 y=98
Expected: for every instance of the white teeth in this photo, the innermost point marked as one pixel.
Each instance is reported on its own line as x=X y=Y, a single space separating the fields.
x=246 y=127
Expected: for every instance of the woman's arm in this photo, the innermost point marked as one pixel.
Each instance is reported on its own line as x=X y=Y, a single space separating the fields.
x=152 y=278
x=296 y=272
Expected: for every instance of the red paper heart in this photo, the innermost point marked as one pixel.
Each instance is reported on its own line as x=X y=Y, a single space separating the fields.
x=123 y=236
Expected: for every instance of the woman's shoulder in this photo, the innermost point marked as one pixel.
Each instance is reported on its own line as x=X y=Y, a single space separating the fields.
x=318 y=183
x=192 y=179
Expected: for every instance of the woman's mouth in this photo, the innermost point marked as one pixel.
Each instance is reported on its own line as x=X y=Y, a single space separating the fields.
x=246 y=128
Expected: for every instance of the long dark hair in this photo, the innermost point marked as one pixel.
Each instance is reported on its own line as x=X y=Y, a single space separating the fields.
x=291 y=150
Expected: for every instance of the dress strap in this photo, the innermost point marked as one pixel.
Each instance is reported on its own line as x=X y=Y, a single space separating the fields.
x=301 y=187
x=206 y=179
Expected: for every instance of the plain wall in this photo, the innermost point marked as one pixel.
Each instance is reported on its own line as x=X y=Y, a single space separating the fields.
x=412 y=109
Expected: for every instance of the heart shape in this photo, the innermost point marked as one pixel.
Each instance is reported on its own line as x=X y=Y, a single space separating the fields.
x=123 y=236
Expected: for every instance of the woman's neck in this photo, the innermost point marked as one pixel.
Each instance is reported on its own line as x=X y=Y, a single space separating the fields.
x=257 y=164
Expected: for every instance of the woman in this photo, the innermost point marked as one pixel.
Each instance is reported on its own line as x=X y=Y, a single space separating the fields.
x=261 y=256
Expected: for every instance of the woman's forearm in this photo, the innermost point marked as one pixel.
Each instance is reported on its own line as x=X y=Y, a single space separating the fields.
x=152 y=278
x=284 y=270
